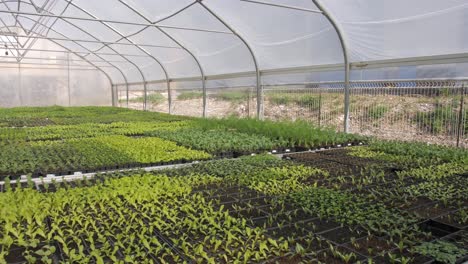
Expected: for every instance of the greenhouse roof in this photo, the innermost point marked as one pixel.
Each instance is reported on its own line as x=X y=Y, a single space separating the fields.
x=138 y=41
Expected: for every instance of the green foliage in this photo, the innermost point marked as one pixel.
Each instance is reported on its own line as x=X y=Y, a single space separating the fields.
x=190 y=95
x=297 y=133
x=89 y=153
x=376 y=112
x=440 y=191
x=215 y=141
x=58 y=115
x=411 y=152
x=153 y=98
x=86 y=130
x=233 y=168
x=300 y=99
x=441 y=120
x=435 y=172
x=149 y=150
x=441 y=251
x=130 y=211
x=279 y=180
x=352 y=210
x=232 y=96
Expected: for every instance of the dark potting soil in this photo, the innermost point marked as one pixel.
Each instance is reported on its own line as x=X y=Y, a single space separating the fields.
x=370 y=246
x=342 y=235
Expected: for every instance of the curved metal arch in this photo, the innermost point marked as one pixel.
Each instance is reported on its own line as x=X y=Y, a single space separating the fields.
x=90 y=51
x=46 y=20
x=11 y=43
x=136 y=45
x=202 y=72
x=88 y=61
x=36 y=22
x=346 y=60
x=254 y=58
x=117 y=53
x=160 y=20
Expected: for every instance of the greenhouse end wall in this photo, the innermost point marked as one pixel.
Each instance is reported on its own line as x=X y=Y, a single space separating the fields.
x=46 y=86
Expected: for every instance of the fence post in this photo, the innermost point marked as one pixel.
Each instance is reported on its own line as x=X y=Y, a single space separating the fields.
x=249 y=98
x=460 y=114
x=169 y=96
x=320 y=108
x=144 y=96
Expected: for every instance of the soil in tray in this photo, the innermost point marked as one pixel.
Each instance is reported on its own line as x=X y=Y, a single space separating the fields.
x=245 y=195
x=414 y=203
x=370 y=246
x=224 y=199
x=438 y=229
x=294 y=259
x=293 y=216
x=15 y=256
x=342 y=235
x=415 y=258
x=226 y=206
x=284 y=218
x=267 y=222
x=274 y=207
x=430 y=211
x=256 y=202
x=337 y=156
x=320 y=225
x=334 y=169
x=311 y=244
x=249 y=213
x=450 y=219
x=288 y=231
x=328 y=257
x=460 y=239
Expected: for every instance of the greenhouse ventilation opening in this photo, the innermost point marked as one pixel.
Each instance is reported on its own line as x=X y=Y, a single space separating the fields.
x=389 y=68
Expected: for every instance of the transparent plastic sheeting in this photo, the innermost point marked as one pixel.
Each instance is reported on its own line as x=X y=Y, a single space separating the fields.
x=279 y=37
x=44 y=86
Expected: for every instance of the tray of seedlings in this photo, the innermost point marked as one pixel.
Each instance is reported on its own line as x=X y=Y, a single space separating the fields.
x=386 y=202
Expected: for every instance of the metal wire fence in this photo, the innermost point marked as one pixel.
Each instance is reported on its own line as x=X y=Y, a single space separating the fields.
x=428 y=111
x=234 y=101
x=433 y=111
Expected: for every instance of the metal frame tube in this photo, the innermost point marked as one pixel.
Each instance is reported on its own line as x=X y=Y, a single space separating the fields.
x=87 y=53
x=283 y=6
x=138 y=47
x=254 y=58
x=110 y=21
x=99 y=42
x=84 y=31
x=202 y=72
x=347 y=67
x=91 y=52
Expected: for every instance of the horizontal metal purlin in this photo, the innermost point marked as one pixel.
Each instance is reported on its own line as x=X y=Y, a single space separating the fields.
x=86 y=53
x=430 y=83
x=60 y=59
x=115 y=22
x=98 y=42
x=442 y=59
x=90 y=68
x=51 y=64
x=283 y=6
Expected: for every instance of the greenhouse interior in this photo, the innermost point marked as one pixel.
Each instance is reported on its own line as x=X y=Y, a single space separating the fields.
x=234 y=131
